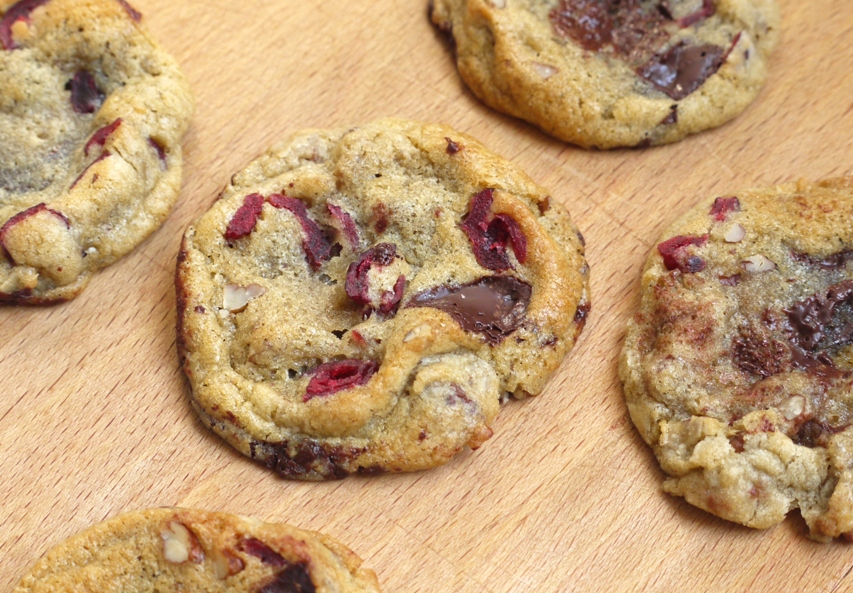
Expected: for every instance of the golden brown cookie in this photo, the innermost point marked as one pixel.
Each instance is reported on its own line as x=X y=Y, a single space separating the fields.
x=192 y=550
x=608 y=73
x=360 y=300
x=91 y=115
x=738 y=368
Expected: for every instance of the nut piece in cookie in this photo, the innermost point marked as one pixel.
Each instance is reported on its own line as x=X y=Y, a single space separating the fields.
x=360 y=300
x=91 y=116
x=191 y=550
x=738 y=367
x=609 y=73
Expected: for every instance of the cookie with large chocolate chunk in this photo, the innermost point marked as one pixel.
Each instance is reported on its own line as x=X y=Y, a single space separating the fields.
x=738 y=368
x=608 y=73
x=361 y=300
x=91 y=116
x=192 y=550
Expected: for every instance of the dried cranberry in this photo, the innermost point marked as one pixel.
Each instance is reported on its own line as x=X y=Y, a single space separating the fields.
x=489 y=238
x=452 y=147
x=100 y=137
x=86 y=97
x=390 y=299
x=130 y=10
x=704 y=12
x=676 y=256
x=161 y=151
x=722 y=206
x=24 y=215
x=332 y=377
x=104 y=155
x=357 y=284
x=17 y=12
x=316 y=246
x=244 y=220
x=347 y=224
x=259 y=549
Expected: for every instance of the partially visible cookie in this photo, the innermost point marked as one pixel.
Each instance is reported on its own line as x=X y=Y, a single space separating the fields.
x=608 y=73
x=91 y=115
x=191 y=550
x=361 y=299
x=738 y=368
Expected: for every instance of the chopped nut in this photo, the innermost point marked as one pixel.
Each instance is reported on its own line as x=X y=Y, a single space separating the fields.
x=235 y=298
x=758 y=263
x=226 y=563
x=735 y=234
x=180 y=545
x=498 y=3
x=544 y=70
x=793 y=407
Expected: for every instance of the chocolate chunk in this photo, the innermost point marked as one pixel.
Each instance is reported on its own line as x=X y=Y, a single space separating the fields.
x=86 y=97
x=582 y=313
x=836 y=261
x=758 y=354
x=493 y=306
x=452 y=147
x=293 y=579
x=17 y=12
x=682 y=69
x=815 y=433
x=671 y=117
x=297 y=460
x=823 y=322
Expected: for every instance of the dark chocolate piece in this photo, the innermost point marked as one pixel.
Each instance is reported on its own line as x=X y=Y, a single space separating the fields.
x=683 y=68
x=493 y=306
x=293 y=579
x=259 y=549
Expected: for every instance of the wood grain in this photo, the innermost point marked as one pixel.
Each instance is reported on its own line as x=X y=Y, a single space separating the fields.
x=94 y=412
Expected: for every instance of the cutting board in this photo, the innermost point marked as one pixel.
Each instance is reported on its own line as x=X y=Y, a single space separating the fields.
x=94 y=411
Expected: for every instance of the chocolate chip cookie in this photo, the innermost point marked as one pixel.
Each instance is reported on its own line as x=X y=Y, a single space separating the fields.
x=91 y=115
x=361 y=300
x=192 y=550
x=738 y=368
x=608 y=73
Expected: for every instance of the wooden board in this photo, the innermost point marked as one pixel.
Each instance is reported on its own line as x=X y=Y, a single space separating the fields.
x=94 y=411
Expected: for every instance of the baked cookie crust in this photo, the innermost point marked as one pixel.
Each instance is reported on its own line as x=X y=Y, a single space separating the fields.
x=608 y=73
x=738 y=367
x=173 y=549
x=360 y=300
x=91 y=115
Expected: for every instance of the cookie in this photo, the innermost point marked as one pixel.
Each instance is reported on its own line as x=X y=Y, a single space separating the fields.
x=361 y=299
x=613 y=73
x=91 y=115
x=738 y=368
x=191 y=550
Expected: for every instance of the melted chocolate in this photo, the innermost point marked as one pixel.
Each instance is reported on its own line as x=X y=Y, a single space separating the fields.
x=293 y=579
x=836 y=261
x=302 y=459
x=493 y=306
x=681 y=70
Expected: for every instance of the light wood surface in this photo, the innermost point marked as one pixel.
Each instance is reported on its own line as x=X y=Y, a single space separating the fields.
x=94 y=410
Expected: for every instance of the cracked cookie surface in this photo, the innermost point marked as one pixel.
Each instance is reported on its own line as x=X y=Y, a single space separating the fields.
x=91 y=115
x=361 y=300
x=192 y=550
x=738 y=368
x=609 y=73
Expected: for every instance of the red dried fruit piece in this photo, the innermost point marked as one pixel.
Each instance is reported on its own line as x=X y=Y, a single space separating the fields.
x=130 y=10
x=86 y=97
x=100 y=137
x=357 y=284
x=17 y=12
x=259 y=549
x=722 y=206
x=293 y=579
x=489 y=238
x=347 y=224
x=104 y=155
x=391 y=298
x=24 y=215
x=332 y=377
x=244 y=220
x=317 y=247
x=676 y=256
x=708 y=9
x=161 y=151
x=452 y=147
